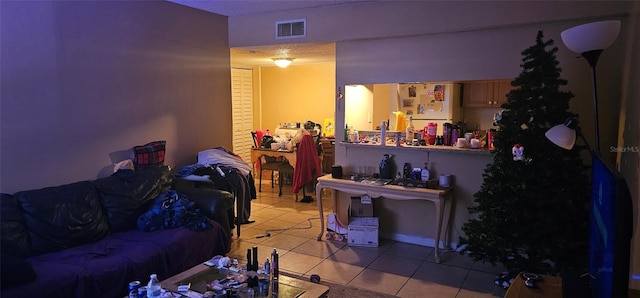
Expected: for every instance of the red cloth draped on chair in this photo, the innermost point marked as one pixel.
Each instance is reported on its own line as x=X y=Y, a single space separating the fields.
x=307 y=166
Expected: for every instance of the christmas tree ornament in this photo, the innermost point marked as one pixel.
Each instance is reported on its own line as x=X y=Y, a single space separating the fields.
x=518 y=152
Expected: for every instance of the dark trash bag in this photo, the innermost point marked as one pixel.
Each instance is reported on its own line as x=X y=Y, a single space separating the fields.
x=171 y=210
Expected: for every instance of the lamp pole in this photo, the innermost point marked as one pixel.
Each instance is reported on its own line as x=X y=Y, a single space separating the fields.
x=592 y=59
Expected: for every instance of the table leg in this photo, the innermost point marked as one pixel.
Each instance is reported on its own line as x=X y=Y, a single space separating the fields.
x=439 y=215
x=447 y=233
x=320 y=211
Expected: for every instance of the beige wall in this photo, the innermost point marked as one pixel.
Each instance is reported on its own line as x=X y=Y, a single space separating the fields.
x=84 y=81
x=294 y=94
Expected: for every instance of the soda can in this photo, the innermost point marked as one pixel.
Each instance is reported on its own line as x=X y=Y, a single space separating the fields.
x=134 y=294
x=142 y=291
x=134 y=285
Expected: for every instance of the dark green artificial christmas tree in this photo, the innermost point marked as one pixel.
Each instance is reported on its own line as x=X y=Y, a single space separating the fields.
x=532 y=214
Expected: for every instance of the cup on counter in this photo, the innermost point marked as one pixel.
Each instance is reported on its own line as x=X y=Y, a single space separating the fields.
x=475 y=143
x=415 y=142
x=461 y=143
x=444 y=180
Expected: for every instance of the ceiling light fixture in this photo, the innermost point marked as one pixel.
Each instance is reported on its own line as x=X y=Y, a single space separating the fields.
x=282 y=62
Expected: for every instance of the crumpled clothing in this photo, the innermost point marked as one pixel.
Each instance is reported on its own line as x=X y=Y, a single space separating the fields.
x=188 y=170
x=171 y=210
x=218 y=156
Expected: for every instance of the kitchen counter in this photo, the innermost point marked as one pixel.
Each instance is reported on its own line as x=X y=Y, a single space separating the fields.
x=429 y=148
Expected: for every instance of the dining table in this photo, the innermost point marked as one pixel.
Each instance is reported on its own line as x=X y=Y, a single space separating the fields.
x=289 y=155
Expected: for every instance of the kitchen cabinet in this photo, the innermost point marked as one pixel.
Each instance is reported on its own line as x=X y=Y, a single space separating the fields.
x=485 y=94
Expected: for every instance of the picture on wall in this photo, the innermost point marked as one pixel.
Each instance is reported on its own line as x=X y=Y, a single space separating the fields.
x=329 y=127
x=433 y=99
x=438 y=93
x=412 y=91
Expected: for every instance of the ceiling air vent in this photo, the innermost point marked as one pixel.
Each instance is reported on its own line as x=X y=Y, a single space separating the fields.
x=291 y=29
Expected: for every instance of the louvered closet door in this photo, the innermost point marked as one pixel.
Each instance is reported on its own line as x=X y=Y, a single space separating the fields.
x=242 y=98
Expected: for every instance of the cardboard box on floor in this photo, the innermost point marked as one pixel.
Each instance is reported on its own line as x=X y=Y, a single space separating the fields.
x=361 y=207
x=363 y=231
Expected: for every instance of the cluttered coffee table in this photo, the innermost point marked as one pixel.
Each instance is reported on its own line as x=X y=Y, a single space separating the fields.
x=201 y=277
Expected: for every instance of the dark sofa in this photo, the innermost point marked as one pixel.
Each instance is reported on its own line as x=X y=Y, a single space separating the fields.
x=81 y=239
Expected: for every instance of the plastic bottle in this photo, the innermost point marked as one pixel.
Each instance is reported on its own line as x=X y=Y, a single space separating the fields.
x=154 y=289
x=267 y=267
x=383 y=134
x=410 y=130
x=424 y=175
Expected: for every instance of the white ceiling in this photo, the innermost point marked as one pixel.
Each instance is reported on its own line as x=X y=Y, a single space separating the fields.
x=235 y=8
x=303 y=53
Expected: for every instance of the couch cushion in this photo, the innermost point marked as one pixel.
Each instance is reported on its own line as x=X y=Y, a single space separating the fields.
x=149 y=155
x=63 y=216
x=104 y=268
x=14 y=237
x=127 y=194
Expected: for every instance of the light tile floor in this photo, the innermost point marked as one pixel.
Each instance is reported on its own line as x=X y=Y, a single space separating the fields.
x=400 y=269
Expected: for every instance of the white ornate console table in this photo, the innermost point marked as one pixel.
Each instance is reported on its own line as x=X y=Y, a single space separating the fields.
x=395 y=192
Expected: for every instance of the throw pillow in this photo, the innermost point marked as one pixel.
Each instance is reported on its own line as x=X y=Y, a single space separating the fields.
x=149 y=155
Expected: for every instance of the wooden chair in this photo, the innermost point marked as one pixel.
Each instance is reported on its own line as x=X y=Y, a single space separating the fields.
x=268 y=163
x=285 y=169
x=272 y=164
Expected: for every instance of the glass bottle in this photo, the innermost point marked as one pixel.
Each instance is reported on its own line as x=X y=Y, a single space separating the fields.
x=274 y=265
x=410 y=130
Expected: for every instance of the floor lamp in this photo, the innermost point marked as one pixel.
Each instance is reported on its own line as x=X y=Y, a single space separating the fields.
x=564 y=135
x=589 y=40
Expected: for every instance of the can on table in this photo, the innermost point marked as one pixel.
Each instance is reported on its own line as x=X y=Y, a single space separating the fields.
x=134 y=285
x=142 y=292
x=133 y=288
